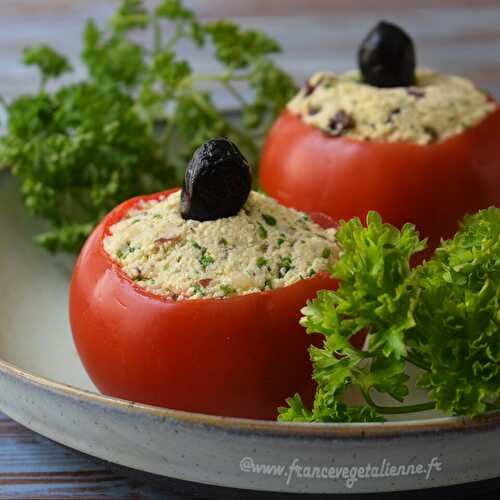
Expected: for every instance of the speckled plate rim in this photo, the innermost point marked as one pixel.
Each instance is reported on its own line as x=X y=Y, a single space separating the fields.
x=268 y=427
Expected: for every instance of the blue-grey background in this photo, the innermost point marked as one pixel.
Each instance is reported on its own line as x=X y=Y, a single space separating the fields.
x=454 y=36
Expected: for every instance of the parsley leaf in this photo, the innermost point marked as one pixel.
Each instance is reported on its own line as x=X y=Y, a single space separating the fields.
x=112 y=58
x=78 y=153
x=237 y=48
x=50 y=63
x=269 y=219
x=441 y=316
x=457 y=330
x=132 y=125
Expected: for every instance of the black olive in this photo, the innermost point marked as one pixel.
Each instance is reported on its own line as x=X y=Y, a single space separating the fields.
x=386 y=57
x=217 y=181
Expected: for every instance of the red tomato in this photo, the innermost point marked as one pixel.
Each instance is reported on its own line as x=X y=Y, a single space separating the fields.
x=432 y=186
x=240 y=356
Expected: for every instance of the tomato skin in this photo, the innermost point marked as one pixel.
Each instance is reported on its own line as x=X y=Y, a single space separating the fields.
x=240 y=356
x=432 y=186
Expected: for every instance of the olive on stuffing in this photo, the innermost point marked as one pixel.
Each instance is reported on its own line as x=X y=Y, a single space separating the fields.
x=386 y=57
x=217 y=181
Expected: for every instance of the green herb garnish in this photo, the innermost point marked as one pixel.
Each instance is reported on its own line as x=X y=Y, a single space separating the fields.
x=269 y=219
x=262 y=231
x=261 y=262
x=225 y=245
x=130 y=127
x=205 y=258
x=198 y=289
x=281 y=240
x=284 y=265
x=442 y=316
x=268 y=284
x=227 y=290
x=326 y=253
x=124 y=250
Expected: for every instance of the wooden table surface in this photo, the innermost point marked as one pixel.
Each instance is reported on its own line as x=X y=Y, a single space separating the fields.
x=461 y=36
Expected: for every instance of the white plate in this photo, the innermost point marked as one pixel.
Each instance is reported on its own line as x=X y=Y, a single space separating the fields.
x=44 y=387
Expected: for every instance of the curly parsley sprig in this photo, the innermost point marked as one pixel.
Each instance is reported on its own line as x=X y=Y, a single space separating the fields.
x=130 y=127
x=442 y=316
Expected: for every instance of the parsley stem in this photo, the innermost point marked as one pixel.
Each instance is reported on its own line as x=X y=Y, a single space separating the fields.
x=227 y=76
x=43 y=83
x=225 y=80
x=419 y=363
x=209 y=110
x=396 y=410
x=157 y=35
x=179 y=33
x=492 y=407
x=230 y=88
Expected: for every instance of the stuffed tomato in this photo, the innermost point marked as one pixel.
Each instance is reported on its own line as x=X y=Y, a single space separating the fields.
x=191 y=299
x=413 y=144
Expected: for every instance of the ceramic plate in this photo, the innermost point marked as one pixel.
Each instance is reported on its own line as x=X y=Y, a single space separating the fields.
x=44 y=387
